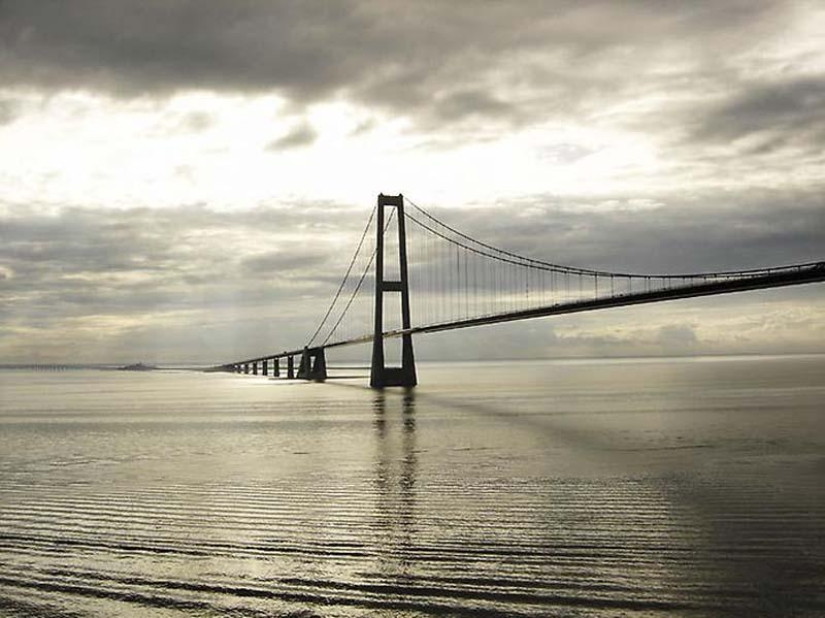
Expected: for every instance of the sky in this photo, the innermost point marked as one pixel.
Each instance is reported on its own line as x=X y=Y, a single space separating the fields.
x=186 y=180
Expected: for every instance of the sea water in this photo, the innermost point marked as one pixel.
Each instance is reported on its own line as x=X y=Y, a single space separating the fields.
x=634 y=487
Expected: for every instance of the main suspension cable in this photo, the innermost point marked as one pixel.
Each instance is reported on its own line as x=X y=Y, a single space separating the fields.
x=346 y=276
x=520 y=259
x=360 y=283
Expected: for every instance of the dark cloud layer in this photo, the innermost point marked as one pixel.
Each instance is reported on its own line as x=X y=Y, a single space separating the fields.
x=134 y=260
x=463 y=70
x=434 y=59
x=786 y=112
x=696 y=233
x=250 y=284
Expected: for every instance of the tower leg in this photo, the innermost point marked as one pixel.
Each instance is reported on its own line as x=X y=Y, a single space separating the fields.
x=319 y=366
x=304 y=366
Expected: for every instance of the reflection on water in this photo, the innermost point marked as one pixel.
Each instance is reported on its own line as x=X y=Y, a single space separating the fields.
x=672 y=488
x=395 y=481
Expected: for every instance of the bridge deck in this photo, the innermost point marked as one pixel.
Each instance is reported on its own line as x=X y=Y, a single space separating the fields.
x=808 y=273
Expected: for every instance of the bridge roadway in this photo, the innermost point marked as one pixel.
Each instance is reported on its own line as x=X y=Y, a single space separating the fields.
x=777 y=277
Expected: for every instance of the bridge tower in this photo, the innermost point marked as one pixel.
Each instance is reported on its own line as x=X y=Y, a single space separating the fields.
x=380 y=374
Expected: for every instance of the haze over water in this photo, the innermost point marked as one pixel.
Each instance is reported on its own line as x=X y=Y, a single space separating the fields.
x=638 y=487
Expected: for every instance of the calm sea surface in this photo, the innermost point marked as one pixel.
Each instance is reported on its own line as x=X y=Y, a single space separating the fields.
x=590 y=488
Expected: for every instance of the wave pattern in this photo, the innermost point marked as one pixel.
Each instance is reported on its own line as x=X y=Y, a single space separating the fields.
x=408 y=513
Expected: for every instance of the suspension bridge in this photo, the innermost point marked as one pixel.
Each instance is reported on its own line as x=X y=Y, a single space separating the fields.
x=426 y=276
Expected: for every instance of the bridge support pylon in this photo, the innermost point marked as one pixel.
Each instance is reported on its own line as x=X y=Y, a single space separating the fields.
x=381 y=375
x=313 y=365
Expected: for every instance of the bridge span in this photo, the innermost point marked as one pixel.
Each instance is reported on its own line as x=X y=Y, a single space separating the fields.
x=461 y=282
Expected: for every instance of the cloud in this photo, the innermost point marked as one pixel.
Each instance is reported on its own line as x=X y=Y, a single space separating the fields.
x=430 y=59
x=781 y=113
x=79 y=261
x=157 y=47
x=9 y=111
x=470 y=102
x=302 y=135
x=195 y=122
x=187 y=282
x=297 y=260
x=671 y=234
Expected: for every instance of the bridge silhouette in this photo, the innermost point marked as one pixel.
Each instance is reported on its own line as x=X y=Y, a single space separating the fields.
x=447 y=280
